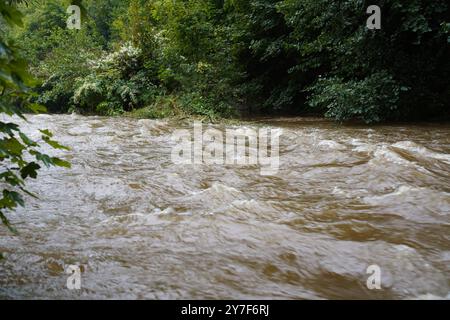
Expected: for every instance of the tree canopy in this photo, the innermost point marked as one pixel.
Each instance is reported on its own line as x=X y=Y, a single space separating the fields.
x=220 y=57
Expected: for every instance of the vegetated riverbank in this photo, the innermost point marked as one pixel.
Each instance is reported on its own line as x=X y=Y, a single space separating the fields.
x=177 y=114
x=215 y=58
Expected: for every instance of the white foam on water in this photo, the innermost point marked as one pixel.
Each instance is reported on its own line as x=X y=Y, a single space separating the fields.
x=331 y=145
x=421 y=150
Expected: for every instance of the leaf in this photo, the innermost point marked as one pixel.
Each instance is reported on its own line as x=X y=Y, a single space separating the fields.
x=47 y=133
x=11 y=178
x=27 y=140
x=8 y=128
x=11 y=14
x=30 y=170
x=7 y=223
x=44 y=158
x=11 y=199
x=12 y=146
x=50 y=161
x=37 y=108
x=54 y=144
x=61 y=163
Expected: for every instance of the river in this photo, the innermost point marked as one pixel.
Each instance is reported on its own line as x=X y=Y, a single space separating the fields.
x=344 y=198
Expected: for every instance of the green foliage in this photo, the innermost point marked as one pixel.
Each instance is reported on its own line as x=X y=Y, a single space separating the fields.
x=118 y=83
x=89 y=94
x=20 y=157
x=219 y=57
x=165 y=48
x=288 y=46
x=162 y=107
x=367 y=99
x=409 y=53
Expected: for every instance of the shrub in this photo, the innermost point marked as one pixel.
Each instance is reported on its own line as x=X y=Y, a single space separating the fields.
x=89 y=95
x=372 y=99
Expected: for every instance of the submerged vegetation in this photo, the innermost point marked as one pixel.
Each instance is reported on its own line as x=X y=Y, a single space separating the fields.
x=221 y=58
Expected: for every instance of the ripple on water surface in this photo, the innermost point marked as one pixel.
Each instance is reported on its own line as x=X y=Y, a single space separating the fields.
x=344 y=198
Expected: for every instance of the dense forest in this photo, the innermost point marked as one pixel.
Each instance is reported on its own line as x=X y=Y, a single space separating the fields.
x=222 y=58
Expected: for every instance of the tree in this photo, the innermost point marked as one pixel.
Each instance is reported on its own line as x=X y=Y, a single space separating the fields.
x=15 y=96
x=320 y=54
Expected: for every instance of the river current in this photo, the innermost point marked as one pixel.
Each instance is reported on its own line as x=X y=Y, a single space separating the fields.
x=345 y=197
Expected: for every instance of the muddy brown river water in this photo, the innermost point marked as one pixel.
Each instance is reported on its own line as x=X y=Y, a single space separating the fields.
x=141 y=227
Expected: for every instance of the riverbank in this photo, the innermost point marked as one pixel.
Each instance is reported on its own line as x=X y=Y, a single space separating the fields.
x=178 y=115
